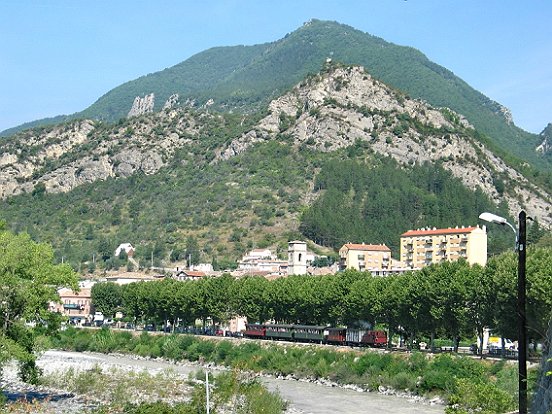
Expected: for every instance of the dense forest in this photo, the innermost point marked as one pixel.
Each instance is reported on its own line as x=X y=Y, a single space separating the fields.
x=378 y=201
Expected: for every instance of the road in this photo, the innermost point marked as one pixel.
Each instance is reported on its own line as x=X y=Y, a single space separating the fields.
x=304 y=397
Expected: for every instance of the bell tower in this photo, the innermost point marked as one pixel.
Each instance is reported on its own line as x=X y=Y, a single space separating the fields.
x=297 y=257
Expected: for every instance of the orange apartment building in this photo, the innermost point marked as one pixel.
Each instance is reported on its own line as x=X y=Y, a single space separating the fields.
x=76 y=305
x=423 y=247
x=364 y=257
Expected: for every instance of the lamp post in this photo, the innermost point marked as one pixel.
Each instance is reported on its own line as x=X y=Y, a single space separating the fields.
x=521 y=238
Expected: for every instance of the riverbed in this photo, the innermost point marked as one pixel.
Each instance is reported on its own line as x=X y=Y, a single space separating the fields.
x=304 y=397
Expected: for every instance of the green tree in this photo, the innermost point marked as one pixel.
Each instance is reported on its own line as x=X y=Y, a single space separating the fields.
x=192 y=251
x=105 y=248
x=249 y=298
x=107 y=298
x=480 y=301
x=29 y=280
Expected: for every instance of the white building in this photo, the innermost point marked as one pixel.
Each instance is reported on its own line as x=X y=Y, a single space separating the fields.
x=261 y=260
x=125 y=247
x=297 y=258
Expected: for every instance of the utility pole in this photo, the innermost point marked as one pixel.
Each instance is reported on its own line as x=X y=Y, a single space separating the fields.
x=522 y=316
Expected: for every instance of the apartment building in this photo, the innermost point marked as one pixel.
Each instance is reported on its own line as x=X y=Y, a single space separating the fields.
x=364 y=257
x=76 y=305
x=423 y=247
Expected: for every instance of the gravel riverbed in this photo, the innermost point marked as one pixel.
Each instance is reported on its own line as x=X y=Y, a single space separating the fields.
x=304 y=396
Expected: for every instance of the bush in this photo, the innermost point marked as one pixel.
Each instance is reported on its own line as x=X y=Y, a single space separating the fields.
x=483 y=398
x=417 y=362
x=103 y=341
x=171 y=348
x=223 y=351
x=206 y=349
x=437 y=380
x=403 y=381
x=192 y=353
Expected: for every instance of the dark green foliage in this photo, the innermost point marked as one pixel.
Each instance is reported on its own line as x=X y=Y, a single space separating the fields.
x=377 y=202
x=106 y=298
x=200 y=203
x=452 y=300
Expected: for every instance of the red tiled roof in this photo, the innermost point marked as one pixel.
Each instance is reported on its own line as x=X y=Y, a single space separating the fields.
x=410 y=233
x=193 y=273
x=368 y=247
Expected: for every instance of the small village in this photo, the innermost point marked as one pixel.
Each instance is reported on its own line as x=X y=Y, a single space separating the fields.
x=418 y=248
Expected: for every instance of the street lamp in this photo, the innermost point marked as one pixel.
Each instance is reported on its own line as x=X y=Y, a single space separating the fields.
x=521 y=238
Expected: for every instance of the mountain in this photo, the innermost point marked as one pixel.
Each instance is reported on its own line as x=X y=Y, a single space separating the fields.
x=248 y=77
x=340 y=157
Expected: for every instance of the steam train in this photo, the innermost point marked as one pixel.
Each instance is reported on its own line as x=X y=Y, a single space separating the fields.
x=317 y=334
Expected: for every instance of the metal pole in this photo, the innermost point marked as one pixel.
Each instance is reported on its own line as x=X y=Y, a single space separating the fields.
x=522 y=321
x=207 y=390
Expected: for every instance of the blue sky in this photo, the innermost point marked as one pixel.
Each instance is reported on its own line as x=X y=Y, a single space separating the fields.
x=59 y=56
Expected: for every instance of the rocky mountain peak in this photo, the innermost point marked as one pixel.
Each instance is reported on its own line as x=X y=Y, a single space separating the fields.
x=341 y=107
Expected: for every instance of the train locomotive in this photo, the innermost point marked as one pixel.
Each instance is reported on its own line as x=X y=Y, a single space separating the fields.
x=317 y=334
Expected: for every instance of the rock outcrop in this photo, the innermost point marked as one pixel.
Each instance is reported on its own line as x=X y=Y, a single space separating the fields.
x=67 y=156
x=506 y=113
x=171 y=102
x=339 y=108
x=142 y=106
x=546 y=145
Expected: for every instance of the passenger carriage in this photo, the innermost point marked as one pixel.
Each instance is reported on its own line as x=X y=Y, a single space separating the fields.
x=308 y=333
x=255 y=330
x=281 y=332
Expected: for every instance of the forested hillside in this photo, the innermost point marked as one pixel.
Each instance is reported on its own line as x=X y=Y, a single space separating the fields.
x=217 y=212
x=340 y=158
x=385 y=200
x=247 y=77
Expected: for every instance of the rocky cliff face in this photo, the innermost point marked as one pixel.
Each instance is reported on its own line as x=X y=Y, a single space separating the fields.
x=66 y=156
x=546 y=145
x=142 y=106
x=345 y=105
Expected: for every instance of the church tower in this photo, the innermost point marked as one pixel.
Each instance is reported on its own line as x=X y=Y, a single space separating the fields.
x=297 y=257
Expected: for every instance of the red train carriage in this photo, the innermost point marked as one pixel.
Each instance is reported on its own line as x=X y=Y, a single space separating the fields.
x=254 y=330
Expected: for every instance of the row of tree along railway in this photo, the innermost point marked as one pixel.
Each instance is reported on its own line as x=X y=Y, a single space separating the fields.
x=450 y=301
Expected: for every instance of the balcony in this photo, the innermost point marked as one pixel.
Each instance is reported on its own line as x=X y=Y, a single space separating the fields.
x=73 y=306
